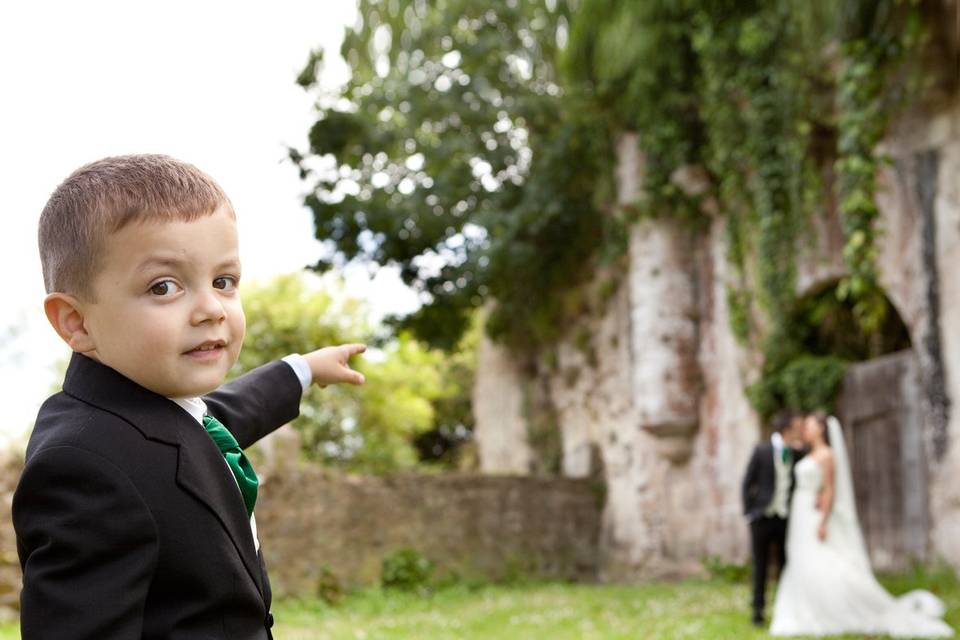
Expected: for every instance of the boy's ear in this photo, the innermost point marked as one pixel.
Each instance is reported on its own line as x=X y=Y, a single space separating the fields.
x=65 y=314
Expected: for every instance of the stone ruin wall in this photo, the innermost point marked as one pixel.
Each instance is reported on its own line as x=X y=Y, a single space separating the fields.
x=671 y=460
x=471 y=526
x=313 y=521
x=924 y=192
x=674 y=445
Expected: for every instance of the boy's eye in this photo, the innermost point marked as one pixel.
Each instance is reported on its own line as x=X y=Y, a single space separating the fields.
x=165 y=288
x=227 y=283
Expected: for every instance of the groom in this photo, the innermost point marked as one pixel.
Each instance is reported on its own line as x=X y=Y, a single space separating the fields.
x=767 y=486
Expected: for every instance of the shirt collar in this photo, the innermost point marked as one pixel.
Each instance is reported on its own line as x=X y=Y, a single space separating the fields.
x=196 y=407
x=776 y=439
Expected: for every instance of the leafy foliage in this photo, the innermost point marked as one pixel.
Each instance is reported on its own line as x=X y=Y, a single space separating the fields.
x=823 y=336
x=474 y=145
x=453 y=420
x=407 y=570
x=805 y=383
x=370 y=428
x=456 y=153
x=637 y=62
x=754 y=97
x=724 y=571
x=877 y=36
x=329 y=587
x=825 y=323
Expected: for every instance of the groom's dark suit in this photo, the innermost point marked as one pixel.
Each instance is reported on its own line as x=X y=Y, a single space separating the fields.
x=766 y=530
x=759 y=482
x=129 y=523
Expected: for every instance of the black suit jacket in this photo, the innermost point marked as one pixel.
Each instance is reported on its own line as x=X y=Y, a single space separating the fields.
x=129 y=524
x=760 y=480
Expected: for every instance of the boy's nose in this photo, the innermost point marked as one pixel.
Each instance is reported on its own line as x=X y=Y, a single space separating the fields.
x=208 y=307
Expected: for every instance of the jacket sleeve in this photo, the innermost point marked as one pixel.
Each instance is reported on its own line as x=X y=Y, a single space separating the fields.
x=88 y=547
x=750 y=480
x=258 y=402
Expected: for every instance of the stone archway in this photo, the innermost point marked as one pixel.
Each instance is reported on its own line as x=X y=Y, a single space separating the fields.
x=825 y=325
x=879 y=404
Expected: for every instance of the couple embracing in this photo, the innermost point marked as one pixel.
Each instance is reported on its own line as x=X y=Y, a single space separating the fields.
x=798 y=497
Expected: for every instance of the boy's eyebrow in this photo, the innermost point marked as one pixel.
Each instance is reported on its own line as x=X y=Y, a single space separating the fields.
x=173 y=262
x=158 y=261
x=229 y=263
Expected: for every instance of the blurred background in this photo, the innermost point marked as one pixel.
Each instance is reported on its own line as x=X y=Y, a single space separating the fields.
x=594 y=244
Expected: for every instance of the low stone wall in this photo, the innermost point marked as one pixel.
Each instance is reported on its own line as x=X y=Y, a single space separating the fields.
x=475 y=526
x=11 y=463
x=311 y=519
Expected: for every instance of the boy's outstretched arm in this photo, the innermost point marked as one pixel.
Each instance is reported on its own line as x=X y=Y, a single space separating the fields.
x=258 y=402
x=268 y=397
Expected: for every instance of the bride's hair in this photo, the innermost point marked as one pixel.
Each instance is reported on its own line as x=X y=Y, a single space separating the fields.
x=821 y=417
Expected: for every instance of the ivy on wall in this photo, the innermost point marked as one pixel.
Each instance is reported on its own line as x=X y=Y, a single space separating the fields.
x=790 y=101
x=876 y=38
x=473 y=148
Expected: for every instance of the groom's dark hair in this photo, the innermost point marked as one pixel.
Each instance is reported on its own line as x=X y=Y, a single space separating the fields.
x=782 y=419
x=821 y=417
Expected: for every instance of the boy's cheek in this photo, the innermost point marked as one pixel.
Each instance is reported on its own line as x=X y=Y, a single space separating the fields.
x=240 y=322
x=239 y=341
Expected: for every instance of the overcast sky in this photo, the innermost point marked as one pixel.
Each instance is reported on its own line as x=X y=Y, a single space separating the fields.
x=209 y=82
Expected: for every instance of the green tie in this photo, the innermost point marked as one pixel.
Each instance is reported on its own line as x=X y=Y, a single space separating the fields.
x=785 y=455
x=241 y=467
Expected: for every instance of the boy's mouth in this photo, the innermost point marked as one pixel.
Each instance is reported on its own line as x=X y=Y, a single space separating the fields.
x=208 y=348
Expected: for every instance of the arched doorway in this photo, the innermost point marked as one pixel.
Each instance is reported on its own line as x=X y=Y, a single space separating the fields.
x=825 y=325
x=878 y=404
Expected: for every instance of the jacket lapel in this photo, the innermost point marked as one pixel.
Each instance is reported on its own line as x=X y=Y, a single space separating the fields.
x=203 y=474
x=201 y=470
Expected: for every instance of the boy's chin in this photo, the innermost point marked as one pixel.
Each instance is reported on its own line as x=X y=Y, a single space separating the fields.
x=199 y=389
x=174 y=382
x=188 y=389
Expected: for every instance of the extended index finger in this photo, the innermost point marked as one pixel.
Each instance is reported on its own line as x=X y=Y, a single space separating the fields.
x=353 y=349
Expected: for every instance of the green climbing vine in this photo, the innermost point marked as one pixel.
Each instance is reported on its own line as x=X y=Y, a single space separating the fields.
x=473 y=148
x=757 y=108
x=876 y=41
x=773 y=117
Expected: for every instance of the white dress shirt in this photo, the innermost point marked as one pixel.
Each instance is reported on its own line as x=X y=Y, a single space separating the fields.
x=197 y=408
x=779 y=503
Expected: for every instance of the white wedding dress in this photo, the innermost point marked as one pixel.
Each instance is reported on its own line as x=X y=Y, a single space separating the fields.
x=828 y=587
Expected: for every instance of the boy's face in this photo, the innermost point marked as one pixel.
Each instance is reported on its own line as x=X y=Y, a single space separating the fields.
x=167 y=313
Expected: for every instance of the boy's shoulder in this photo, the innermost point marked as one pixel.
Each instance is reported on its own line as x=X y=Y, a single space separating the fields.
x=99 y=450
x=101 y=410
x=67 y=421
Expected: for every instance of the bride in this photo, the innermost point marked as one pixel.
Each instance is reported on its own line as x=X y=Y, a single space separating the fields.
x=828 y=586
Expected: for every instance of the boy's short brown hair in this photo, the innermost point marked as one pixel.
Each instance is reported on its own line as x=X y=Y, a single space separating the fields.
x=102 y=197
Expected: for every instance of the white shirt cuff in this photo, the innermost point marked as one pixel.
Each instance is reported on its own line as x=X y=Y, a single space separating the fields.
x=300 y=367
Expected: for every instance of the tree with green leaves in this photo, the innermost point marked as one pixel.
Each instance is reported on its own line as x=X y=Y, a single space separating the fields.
x=456 y=153
x=473 y=147
x=371 y=428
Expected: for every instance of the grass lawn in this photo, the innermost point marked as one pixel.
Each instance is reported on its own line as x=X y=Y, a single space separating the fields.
x=701 y=609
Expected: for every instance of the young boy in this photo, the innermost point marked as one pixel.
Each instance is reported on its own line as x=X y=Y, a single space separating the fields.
x=134 y=513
